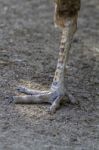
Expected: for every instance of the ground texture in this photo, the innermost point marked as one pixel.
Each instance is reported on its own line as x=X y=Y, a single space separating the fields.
x=28 y=56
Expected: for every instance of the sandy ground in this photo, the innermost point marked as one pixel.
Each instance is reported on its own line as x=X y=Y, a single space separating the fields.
x=28 y=56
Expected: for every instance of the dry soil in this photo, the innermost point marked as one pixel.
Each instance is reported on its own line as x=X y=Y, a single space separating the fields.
x=29 y=46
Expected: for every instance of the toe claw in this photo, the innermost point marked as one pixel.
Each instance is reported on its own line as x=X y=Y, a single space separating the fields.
x=10 y=99
x=55 y=105
x=72 y=99
x=51 y=111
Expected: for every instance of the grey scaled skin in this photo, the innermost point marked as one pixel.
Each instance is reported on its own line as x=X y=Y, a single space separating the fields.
x=57 y=91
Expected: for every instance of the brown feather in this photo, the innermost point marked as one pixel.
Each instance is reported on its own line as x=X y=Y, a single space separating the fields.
x=65 y=9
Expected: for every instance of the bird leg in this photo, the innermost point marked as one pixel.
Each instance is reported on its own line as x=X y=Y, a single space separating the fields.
x=57 y=91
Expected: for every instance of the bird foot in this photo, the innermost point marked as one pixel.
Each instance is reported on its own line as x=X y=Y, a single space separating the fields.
x=52 y=96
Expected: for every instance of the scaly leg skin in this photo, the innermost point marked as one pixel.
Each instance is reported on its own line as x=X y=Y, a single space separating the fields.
x=57 y=91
